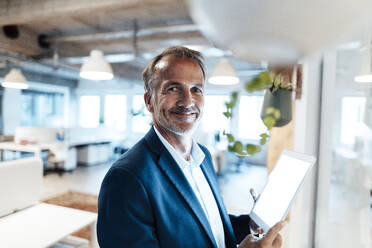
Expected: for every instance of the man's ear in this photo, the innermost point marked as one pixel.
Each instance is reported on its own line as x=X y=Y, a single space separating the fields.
x=147 y=98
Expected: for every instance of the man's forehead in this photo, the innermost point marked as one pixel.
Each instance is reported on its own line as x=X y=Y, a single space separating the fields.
x=161 y=65
x=167 y=63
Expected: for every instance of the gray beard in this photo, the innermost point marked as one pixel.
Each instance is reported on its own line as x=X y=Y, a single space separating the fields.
x=181 y=132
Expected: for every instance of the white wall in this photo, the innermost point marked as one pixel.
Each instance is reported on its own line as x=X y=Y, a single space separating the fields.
x=306 y=140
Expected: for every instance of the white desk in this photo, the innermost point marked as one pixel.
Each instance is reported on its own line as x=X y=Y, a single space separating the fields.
x=34 y=148
x=66 y=151
x=43 y=225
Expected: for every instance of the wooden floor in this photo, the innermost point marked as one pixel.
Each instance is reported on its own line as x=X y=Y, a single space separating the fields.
x=234 y=185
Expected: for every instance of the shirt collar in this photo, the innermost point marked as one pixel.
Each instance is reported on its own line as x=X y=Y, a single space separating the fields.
x=196 y=158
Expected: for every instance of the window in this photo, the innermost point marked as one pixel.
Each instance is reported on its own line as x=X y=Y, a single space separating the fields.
x=352 y=113
x=89 y=111
x=213 y=118
x=116 y=111
x=42 y=108
x=250 y=125
x=142 y=119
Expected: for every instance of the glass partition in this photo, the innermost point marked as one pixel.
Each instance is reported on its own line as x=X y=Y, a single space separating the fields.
x=345 y=182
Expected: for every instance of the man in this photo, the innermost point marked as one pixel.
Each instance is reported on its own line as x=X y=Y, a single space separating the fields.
x=163 y=192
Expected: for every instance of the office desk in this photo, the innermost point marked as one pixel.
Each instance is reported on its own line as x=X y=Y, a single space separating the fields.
x=32 y=148
x=43 y=225
x=69 y=153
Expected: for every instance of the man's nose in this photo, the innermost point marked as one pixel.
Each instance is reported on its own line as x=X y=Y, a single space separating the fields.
x=185 y=99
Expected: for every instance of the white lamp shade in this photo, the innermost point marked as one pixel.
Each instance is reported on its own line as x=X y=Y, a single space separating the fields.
x=96 y=68
x=15 y=79
x=223 y=74
x=280 y=32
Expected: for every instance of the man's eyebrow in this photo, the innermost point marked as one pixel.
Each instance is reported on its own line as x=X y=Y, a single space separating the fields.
x=199 y=84
x=175 y=83
x=170 y=83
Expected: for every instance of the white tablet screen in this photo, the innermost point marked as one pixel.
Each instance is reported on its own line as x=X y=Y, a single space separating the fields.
x=281 y=188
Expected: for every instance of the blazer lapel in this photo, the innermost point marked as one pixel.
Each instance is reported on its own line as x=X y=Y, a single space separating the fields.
x=229 y=233
x=177 y=178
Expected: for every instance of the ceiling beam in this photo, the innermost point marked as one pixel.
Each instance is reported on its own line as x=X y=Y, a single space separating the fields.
x=207 y=52
x=19 y=12
x=128 y=34
x=26 y=43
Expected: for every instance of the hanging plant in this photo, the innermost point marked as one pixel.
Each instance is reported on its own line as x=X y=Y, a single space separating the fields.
x=272 y=82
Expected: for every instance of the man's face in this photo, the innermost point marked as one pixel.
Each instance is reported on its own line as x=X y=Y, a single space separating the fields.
x=177 y=101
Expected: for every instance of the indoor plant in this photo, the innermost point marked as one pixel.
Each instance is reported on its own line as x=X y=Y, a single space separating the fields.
x=276 y=109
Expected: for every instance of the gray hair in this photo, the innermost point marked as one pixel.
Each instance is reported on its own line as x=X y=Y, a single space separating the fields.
x=148 y=74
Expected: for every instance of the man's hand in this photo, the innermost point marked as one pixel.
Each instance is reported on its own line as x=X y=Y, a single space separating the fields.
x=270 y=240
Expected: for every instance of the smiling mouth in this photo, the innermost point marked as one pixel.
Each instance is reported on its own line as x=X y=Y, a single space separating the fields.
x=185 y=114
x=186 y=117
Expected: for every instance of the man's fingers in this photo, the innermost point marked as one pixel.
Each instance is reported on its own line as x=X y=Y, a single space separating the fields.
x=274 y=231
x=277 y=243
x=251 y=237
x=248 y=241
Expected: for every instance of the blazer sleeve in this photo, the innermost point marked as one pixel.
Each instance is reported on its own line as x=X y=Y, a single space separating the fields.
x=241 y=226
x=125 y=217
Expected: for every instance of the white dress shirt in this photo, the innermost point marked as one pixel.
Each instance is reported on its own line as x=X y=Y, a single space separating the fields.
x=194 y=175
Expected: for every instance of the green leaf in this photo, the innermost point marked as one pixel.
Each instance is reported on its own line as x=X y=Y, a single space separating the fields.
x=249 y=87
x=276 y=113
x=227 y=114
x=269 y=121
x=263 y=139
x=230 y=148
x=230 y=138
x=252 y=149
x=238 y=147
x=229 y=104
x=234 y=95
x=256 y=84
x=264 y=135
x=265 y=77
x=270 y=110
x=273 y=111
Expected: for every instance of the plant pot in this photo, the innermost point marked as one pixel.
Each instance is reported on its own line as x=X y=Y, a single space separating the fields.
x=282 y=100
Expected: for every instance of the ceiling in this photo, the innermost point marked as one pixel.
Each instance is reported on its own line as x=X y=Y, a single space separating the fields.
x=129 y=32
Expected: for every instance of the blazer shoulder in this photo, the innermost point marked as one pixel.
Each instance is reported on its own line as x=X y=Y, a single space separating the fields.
x=136 y=160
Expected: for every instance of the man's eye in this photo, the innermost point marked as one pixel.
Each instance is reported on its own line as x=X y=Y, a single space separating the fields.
x=172 y=89
x=198 y=90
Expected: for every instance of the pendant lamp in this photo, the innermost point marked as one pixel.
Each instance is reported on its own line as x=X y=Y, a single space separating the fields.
x=224 y=74
x=15 y=79
x=96 y=68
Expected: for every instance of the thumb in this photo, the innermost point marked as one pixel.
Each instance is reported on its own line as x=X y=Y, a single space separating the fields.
x=250 y=237
x=247 y=242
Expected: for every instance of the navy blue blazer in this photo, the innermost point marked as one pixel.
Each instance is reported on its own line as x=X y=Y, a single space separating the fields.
x=145 y=201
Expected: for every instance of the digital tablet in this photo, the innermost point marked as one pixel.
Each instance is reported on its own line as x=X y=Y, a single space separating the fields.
x=283 y=183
